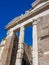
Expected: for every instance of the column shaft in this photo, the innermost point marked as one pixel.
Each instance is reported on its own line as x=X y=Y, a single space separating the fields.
x=6 y=55
x=35 y=44
x=20 y=47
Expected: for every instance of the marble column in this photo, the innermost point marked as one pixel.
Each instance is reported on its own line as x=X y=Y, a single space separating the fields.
x=6 y=55
x=35 y=44
x=20 y=51
x=2 y=47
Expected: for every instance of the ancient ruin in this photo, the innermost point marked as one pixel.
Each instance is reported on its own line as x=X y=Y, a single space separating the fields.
x=14 y=51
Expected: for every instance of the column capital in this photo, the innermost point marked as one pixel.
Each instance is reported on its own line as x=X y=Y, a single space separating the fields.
x=34 y=22
x=22 y=28
x=10 y=33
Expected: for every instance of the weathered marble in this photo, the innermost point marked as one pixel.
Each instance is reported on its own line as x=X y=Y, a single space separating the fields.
x=38 y=53
x=20 y=51
x=35 y=44
x=43 y=40
x=6 y=55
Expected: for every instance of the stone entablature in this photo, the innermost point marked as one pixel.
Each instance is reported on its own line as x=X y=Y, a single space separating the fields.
x=33 y=12
x=37 y=2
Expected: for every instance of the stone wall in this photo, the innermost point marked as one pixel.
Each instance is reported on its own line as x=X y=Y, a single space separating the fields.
x=43 y=40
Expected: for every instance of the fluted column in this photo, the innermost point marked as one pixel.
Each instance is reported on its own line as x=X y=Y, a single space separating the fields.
x=35 y=44
x=6 y=55
x=20 y=47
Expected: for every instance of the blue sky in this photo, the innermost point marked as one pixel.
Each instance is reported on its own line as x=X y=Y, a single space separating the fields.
x=10 y=9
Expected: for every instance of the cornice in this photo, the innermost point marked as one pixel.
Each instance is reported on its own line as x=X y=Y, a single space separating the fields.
x=38 y=9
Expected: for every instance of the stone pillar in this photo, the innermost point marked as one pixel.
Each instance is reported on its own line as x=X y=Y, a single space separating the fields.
x=20 y=47
x=6 y=55
x=35 y=44
x=2 y=47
